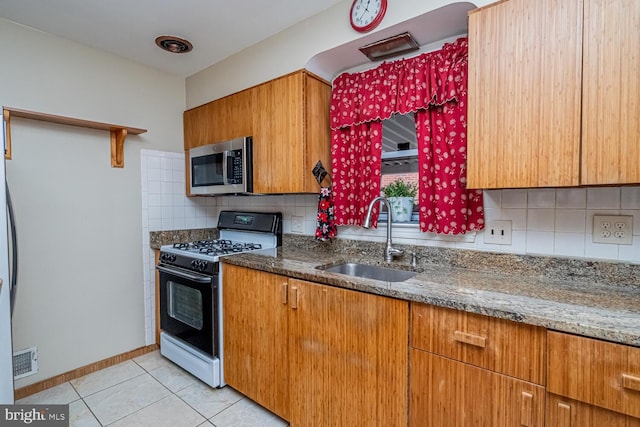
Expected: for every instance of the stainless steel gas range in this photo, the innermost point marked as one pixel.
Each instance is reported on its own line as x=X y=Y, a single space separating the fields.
x=191 y=290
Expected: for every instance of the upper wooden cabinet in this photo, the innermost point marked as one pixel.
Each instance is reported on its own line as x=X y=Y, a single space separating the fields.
x=552 y=97
x=289 y=120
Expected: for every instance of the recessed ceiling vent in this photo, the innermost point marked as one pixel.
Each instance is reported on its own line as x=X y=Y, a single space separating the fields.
x=174 y=44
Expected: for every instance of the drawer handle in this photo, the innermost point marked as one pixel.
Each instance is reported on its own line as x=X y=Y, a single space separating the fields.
x=294 y=297
x=526 y=410
x=285 y=293
x=631 y=382
x=470 y=339
x=564 y=415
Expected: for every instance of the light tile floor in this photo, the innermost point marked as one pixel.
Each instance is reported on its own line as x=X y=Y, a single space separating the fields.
x=152 y=391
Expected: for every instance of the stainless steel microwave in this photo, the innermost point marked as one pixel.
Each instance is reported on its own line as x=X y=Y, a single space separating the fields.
x=222 y=168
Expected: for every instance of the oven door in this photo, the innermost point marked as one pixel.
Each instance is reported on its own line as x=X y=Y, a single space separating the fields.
x=189 y=307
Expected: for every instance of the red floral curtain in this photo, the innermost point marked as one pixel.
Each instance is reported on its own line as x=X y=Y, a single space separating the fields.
x=434 y=87
x=356 y=163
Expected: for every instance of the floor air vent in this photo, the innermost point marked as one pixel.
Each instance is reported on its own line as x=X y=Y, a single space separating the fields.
x=25 y=363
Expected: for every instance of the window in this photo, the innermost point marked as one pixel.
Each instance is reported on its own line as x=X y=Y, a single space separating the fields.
x=400 y=154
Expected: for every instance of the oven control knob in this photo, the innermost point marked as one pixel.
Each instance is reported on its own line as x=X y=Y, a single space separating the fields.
x=199 y=264
x=167 y=257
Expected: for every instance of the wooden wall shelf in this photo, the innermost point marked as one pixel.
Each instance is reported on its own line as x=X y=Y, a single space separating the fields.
x=118 y=133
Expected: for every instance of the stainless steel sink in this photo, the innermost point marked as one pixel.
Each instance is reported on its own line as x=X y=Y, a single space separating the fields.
x=369 y=272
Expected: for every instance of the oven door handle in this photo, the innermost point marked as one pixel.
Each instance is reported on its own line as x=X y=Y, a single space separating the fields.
x=192 y=277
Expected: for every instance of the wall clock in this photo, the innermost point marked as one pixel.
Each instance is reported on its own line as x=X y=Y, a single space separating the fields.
x=366 y=15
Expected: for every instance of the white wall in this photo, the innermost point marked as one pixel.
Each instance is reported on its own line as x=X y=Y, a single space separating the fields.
x=292 y=48
x=80 y=295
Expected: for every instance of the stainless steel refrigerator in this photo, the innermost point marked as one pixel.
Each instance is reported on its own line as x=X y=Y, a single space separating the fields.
x=8 y=288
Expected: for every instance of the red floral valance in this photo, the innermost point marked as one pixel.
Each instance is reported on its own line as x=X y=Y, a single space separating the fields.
x=404 y=86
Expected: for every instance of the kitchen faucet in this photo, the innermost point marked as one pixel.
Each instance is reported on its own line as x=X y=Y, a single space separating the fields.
x=389 y=251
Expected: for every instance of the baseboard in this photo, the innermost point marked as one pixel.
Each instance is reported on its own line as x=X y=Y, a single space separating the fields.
x=82 y=371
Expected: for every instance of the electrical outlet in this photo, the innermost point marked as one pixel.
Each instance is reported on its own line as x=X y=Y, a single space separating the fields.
x=498 y=232
x=297 y=224
x=613 y=229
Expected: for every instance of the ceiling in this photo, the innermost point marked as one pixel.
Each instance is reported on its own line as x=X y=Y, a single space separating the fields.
x=216 y=28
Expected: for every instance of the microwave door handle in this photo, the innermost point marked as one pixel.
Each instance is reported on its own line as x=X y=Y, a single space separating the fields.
x=225 y=160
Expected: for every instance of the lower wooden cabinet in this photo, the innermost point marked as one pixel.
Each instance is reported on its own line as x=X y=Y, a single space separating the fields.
x=448 y=393
x=315 y=354
x=255 y=322
x=604 y=376
x=563 y=412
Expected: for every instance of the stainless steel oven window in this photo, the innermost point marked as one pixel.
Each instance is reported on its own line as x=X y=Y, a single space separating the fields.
x=185 y=304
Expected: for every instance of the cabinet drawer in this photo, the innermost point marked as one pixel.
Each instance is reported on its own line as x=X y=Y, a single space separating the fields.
x=596 y=372
x=503 y=346
x=563 y=412
x=446 y=393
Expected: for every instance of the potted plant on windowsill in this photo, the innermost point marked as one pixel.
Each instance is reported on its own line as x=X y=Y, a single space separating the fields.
x=401 y=195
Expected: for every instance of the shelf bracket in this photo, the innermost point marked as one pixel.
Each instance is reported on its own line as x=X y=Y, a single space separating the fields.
x=7 y=136
x=117 y=147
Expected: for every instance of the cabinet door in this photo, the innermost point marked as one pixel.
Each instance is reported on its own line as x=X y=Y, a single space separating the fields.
x=220 y=120
x=611 y=100
x=278 y=138
x=524 y=94
x=446 y=393
x=255 y=336
x=563 y=412
x=348 y=354
x=317 y=96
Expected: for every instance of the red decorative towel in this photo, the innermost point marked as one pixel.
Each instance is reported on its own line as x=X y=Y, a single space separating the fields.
x=326 y=225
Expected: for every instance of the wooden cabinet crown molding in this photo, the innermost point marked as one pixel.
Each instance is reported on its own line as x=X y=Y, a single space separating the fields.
x=118 y=133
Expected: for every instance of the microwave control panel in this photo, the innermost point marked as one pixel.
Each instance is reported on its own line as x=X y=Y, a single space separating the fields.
x=234 y=166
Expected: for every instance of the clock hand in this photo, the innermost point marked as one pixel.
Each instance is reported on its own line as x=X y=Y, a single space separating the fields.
x=366 y=9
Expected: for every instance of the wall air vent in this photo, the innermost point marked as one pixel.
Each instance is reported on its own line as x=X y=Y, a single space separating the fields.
x=25 y=363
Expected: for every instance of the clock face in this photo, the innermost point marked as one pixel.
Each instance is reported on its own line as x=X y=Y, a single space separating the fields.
x=367 y=14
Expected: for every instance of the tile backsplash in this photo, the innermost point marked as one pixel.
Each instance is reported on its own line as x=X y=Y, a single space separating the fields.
x=550 y=221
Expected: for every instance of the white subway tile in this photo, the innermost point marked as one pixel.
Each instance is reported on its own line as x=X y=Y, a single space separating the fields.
x=541 y=219
x=599 y=250
x=518 y=242
x=571 y=198
x=603 y=198
x=492 y=214
x=636 y=220
x=630 y=253
x=571 y=221
x=541 y=198
x=540 y=242
x=569 y=244
x=492 y=199
x=154 y=200
x=155 y=224
x=630 y=198
x=155 y=212
x=155 y=187
x=518 y=218
x=179 y=223
x=514 y=198
x=167 y=224
x=190 y=223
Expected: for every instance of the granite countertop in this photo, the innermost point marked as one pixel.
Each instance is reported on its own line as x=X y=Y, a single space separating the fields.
x=575 y=303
